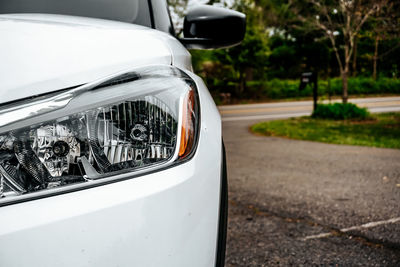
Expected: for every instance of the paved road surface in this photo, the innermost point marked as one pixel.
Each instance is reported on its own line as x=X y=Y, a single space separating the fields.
x=307 y=203
x=299 y=108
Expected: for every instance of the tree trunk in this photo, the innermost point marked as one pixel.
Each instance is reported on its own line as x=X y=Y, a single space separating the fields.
x=242 y=84
x=249 y=74
x=345 y=95
x=354 y=67
x=375 y=57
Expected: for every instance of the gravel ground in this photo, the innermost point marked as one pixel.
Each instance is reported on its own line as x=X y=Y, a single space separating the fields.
x=282 y=191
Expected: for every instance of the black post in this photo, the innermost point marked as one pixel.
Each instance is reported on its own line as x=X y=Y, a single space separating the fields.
x=329 y=89
x=308 y=78
x=315 y=91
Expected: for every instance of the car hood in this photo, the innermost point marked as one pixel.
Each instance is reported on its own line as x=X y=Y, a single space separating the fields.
x=43 y=53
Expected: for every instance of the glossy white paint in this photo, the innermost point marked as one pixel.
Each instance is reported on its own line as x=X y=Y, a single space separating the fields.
x=168 y=218
x=41 y=53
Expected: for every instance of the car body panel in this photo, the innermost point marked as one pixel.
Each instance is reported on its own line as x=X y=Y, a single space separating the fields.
x=42 y=53
x=167 y=218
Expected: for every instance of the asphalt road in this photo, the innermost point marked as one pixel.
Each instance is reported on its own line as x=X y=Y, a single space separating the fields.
x=299 y=108
x=300 y=203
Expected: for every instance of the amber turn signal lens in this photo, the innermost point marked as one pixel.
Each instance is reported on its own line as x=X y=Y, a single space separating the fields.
x=188 y=124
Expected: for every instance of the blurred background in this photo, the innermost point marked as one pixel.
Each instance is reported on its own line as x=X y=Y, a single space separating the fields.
x=286 y=38
x=334 y=201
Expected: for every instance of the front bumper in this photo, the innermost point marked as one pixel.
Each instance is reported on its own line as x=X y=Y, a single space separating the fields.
x=167 y=218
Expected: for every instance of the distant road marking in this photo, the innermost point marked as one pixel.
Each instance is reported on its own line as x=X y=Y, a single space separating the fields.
x=282 y=110
x=298 y=107
x=384 y=109
x=267 y=109
x=297 y=114
x=271 y=116
x=359 y=227
x=306 y=103
x=380 y=104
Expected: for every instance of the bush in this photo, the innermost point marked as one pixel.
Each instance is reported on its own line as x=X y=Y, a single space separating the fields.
x=280 y=89
x=340 y=111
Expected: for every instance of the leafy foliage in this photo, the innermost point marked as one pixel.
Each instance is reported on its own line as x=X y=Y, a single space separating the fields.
x=238 y=64
x=280 y=44
x=280 y=88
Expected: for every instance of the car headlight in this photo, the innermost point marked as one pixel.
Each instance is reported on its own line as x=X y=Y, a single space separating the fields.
x=133 y=122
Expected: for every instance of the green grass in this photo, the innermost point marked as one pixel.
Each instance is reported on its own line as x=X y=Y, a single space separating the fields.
x=382 y=130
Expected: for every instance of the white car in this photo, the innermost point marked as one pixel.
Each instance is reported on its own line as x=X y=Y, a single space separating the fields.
x=111 y=150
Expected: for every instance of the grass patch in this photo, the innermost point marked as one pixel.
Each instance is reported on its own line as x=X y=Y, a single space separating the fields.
x=381 y=130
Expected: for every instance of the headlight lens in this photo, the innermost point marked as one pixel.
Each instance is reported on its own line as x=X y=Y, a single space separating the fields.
x=147 y=121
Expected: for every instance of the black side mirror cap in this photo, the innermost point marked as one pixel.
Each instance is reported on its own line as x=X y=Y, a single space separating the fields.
x=207 y=27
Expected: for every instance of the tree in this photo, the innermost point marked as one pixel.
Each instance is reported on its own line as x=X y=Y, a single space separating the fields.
x=231 y=69
x=250 y=56
x=384 y=26
x=178 y=9
x=340 y=21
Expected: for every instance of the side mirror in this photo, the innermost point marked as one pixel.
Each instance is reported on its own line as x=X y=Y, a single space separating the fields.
x=207 y=27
